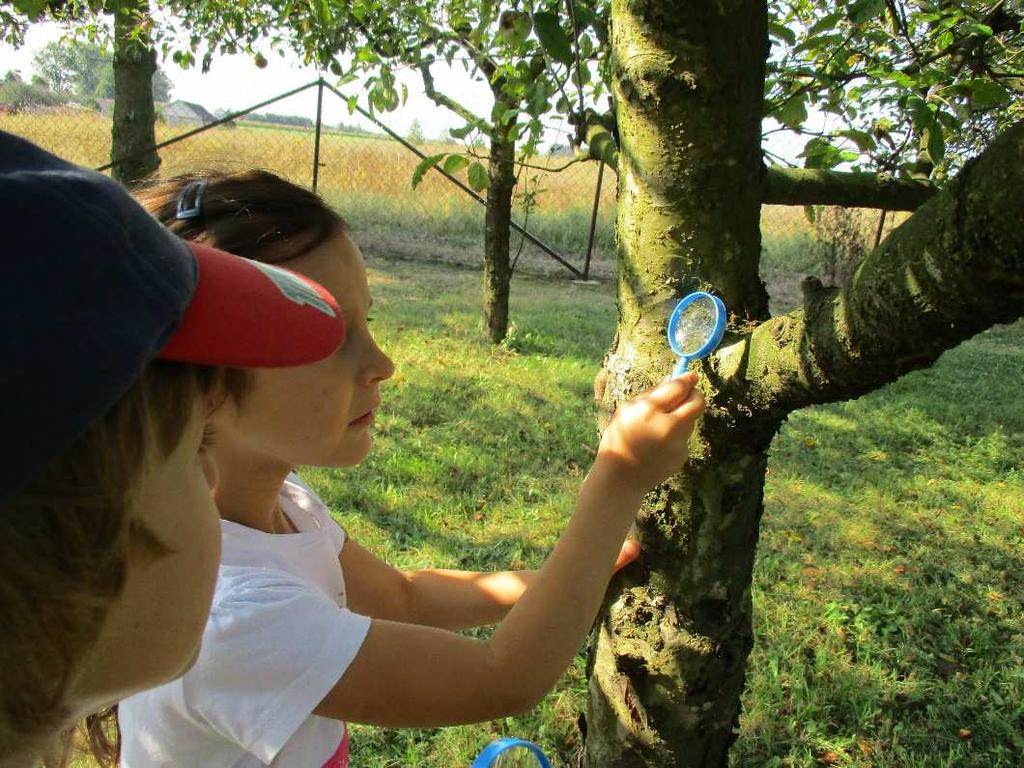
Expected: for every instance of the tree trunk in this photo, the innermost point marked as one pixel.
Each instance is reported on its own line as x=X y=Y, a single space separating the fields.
x=669 y=658
x=133 y=135
x=670 y=655
x=497 y=224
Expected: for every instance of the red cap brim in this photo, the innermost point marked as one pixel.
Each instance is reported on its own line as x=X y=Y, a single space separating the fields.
x=250 y=315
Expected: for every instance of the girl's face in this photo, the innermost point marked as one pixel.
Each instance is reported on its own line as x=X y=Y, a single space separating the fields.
x=152 y=632
x=319 y=414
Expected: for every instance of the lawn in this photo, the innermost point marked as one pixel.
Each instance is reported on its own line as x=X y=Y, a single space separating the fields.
x=888 y=584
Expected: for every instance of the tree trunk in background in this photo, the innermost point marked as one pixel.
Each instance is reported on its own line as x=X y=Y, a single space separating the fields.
x=668 y=663
x=497 y=224
x=133 y=136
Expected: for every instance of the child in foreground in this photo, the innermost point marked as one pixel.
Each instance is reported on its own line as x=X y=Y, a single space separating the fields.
x=109 y=541
x=308 y=629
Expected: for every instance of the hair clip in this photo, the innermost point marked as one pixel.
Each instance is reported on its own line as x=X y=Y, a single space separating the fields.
x=192 y=191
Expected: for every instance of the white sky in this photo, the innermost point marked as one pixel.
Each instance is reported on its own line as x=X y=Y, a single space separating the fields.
x=234 y=82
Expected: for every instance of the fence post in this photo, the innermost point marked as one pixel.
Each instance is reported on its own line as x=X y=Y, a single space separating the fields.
x=593 y=220
x=319 y=122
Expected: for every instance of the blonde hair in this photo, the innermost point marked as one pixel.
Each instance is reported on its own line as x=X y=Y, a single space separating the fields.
x=64 y=540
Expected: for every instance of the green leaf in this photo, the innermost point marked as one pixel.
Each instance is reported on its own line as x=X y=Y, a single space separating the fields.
x=537 y=98
x=793 y=112
x=821 y=153
x=31 y=7
x=478 y=179
x=982 y=30
x=455 y=163
x=424 y=165
x=985 y=94
x=552 y=37
x=934 y=142
x=865 y=141
x=863 y=11
x=781 y=32
x=461 y=133
x=584 y=16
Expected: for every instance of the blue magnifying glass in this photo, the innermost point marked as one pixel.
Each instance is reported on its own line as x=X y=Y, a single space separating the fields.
x=509 y=752
x=695 y=328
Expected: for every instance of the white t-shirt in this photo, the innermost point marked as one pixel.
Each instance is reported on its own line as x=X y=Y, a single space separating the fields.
x=279 y=637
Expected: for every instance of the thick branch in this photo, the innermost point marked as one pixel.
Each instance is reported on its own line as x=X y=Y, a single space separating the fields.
x=793 y=186
x=955 y=268
x=804 y=186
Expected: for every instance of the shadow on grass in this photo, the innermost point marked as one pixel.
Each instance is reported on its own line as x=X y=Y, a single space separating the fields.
x=463 y=469
x=890 y=576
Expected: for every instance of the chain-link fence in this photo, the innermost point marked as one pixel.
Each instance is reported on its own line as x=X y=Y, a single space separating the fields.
x=367 y=176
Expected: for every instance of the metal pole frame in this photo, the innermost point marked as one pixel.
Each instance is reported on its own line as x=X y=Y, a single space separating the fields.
x=215 y=123
x=469 y=191
x=316 y=136
x=593 y=221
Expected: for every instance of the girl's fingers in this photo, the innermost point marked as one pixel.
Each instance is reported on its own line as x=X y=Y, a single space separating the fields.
x=670 y=395
x=630 y=551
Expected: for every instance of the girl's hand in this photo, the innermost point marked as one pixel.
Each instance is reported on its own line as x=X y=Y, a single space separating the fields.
x=646 y=442
x=630 y=551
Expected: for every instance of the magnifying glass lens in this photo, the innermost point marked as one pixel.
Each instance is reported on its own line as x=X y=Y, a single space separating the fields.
x=696 y=324
x=516 y=757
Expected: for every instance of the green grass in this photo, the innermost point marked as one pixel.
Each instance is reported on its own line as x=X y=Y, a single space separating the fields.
x=889 y=578
x=889 y=581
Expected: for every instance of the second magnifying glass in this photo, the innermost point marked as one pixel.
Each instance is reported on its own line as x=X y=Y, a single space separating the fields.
x=511 y=753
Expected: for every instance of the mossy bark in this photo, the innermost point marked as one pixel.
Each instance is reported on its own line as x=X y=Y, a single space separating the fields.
x=668 y=663
x=498 y=224
x=669 y=658
x=133 y=135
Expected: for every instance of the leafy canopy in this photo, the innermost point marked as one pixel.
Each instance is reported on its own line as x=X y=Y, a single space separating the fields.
x=914 y=87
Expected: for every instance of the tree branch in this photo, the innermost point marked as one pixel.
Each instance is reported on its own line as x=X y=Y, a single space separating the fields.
x=444 y=101
x=805 y=186
x=955 y=268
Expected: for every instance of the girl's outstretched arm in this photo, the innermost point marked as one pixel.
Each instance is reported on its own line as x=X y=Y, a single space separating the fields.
x=438 y=597
x=416 y=676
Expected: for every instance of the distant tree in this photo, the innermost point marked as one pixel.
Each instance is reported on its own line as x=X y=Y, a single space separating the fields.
x=132 y=137
x=56 y=65
x=162 y=86
x=415 y=135
x=12 y=76
x=86 y=70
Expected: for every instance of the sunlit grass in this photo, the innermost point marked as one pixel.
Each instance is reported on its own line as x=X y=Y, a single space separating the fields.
x=368 y=179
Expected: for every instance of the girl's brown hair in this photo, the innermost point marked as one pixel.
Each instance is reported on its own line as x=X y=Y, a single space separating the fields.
x=64 y=541
x=255 y=214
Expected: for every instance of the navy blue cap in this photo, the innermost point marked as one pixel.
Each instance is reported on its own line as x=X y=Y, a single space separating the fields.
x=91 y=290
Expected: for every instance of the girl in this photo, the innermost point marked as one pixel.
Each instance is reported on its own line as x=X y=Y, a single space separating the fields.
x=109 y=542
x=308 y=628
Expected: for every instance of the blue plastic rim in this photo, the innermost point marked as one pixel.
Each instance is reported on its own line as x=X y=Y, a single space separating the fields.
x=486 y=758
x=713 y=339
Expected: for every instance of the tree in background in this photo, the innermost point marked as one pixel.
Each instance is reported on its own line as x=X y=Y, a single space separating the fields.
x=533 y=58
x=915 y=89
x=133 y=135
x=415 y=134
x=86 y=70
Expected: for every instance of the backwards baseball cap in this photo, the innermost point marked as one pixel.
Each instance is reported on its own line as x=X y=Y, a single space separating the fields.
x=92 y=288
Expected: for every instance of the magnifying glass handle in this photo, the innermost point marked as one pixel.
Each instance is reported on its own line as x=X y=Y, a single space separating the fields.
x=681 y=367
